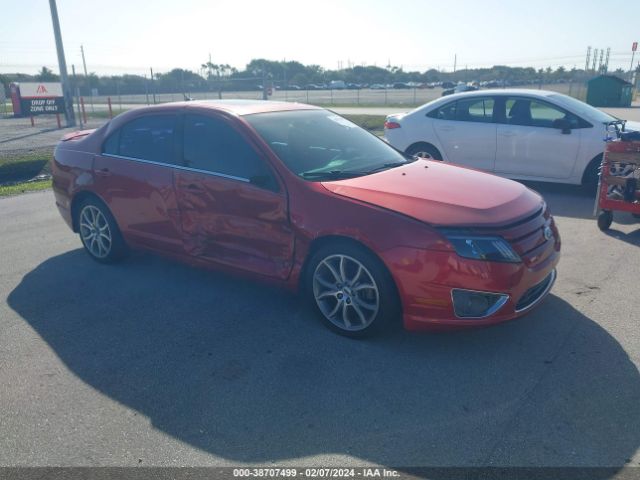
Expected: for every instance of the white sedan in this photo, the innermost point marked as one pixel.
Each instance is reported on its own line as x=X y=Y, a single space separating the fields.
x=520 y=134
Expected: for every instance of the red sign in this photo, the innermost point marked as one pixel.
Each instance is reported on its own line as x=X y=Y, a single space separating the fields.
x=634 y=47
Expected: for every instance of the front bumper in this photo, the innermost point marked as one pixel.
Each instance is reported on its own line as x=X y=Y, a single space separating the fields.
x=425 y=281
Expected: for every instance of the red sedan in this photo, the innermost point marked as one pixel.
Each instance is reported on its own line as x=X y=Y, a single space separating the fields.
x=298 y=195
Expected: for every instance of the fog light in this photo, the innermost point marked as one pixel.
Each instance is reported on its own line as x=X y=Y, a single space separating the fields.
x=472 y=304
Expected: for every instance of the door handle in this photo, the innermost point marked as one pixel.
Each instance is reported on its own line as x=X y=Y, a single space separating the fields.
x=508 y=134
x=103 y=172
x=447 y=128
x=194 y=188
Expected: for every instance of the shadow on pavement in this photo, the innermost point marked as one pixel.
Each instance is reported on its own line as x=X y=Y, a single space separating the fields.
x=632 y=238
x=566 y=200
x=244 y=372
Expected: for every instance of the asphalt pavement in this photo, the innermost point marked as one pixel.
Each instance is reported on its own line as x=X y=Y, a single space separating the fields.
x=151 y=362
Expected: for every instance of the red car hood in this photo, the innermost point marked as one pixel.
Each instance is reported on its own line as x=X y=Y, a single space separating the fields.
x=441 y=194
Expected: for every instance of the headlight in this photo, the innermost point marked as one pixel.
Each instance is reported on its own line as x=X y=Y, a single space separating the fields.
x=491 y=249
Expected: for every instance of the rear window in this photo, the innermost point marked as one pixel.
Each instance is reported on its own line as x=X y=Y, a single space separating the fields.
x=146 y=138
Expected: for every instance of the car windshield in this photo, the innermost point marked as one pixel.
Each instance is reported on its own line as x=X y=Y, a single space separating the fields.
x=319 y=145
x=583 y=109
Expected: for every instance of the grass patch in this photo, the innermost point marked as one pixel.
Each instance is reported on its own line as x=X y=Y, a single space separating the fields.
x=372 y=123
x=104 y=114
x=20 y=166
x=402 y=107
x=18 y=188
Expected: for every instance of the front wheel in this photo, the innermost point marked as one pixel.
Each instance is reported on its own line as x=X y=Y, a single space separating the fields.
x=351 y=290
x=99 y=232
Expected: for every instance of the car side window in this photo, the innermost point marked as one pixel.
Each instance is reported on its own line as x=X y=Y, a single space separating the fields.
x=533 y=113
x=518 y=111
x=212 y=145
x=110 y=146
x=446 y=112
x=475 y=110
x=148 y=138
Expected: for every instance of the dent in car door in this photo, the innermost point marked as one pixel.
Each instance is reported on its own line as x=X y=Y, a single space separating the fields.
x=226 y=218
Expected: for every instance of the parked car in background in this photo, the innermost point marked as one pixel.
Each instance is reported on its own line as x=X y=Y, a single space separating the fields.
x=299 y=196
x=461 y=87
x=520 y=134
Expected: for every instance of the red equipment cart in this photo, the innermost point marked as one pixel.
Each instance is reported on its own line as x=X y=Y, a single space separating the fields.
x=619 y=186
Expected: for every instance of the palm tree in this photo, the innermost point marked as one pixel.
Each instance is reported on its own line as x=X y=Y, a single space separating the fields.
x=220 y=70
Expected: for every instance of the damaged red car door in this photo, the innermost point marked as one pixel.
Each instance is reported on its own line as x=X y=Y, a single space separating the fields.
x=134 y=175
x=233 y=211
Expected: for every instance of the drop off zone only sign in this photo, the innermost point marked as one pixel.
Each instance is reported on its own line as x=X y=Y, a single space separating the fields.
x=41 y=98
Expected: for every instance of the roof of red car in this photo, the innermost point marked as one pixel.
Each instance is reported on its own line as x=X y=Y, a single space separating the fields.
x=239 y=107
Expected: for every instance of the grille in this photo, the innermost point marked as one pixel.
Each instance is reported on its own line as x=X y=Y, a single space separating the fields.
x=527 y=236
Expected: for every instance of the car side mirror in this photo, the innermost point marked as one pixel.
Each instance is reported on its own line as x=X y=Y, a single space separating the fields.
x=562 y=124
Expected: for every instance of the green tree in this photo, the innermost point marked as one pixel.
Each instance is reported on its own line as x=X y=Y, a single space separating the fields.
x=46 y=75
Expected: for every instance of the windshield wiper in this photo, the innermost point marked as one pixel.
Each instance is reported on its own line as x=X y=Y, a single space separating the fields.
x=340 y=174
x=386 y=166
x=333 y=174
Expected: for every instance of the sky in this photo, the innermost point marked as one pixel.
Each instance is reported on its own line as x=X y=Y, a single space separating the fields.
x=131 y=36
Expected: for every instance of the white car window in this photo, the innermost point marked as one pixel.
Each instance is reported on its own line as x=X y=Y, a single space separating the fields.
x=467 y=110
x=446 y=112
x=475 y=110
x=533 y=113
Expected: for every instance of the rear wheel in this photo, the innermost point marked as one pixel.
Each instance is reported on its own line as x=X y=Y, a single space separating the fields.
x=351 y=290
x=99 y=232
x=592 y=174
x=424 y=150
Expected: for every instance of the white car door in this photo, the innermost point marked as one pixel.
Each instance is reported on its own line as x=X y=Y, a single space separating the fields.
x=531 y=142
x=466 y=132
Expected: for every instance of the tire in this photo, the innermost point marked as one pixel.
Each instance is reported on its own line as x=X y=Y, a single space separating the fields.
x=424 y=150
x=592 y=174
x=351 y=291
x=604 y=220
x=99 y=232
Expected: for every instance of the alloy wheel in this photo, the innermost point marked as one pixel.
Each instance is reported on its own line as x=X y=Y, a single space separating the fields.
x=95 y=231
x=346 y=292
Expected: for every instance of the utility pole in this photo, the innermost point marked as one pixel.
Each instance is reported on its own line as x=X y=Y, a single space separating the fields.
x=84 y=62
x=62 y=65
x=595 y=59
x=75 y=81
x=586 y=65
x=264 y=83
x=455 y=62
x=153 y=87
x=86 y=77
x=606 y=61
x=634 y=47
x=600 y=61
